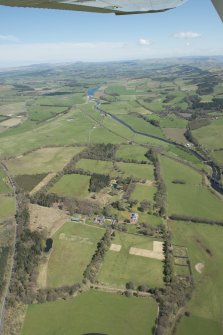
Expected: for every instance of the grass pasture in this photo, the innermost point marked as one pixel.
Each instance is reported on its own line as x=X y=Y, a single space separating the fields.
x=42 y=160
x=7 y=206
x=4 y=188
x=138 y=171
x=204 y=244
x=72 y=185
x=94 y=166
x=143 y=192
x=92 y=312
x=141 y=125
x=192 y=198
x=74 y=245
x=131 y=152
x=43 y=113
x=120 y=267
x=176 y=134
x=211 y=137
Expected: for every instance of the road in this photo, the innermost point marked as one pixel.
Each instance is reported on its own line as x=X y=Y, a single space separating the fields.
x=13 y=185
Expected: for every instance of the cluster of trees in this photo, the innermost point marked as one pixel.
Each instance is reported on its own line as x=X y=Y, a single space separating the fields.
x=169 y=259
x=194 y=219
x=4 y=252
x=190 y=137
x=195 y=103
x=151 y=230
x=98 y=181
x=171 y=299
x=45 y=199
x=128 y=191
x=82 y=206
x=27 y=256
x=52 y=294
x=101 y=151
x=179 y=181
x=145 y=205
x=103 y=246
x=153 y=122
x=160 y=196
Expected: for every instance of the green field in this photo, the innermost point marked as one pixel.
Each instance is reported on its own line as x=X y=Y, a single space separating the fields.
x=72 y=185
x=143 y=192
x=42 y=160
x=192 y=198
x=74 y=245
x=131 y=152
x=211 y=137
x=92 y=312
x=94 y=166
x=43 y=113
x=73 y=127
x=7 y=206
x=4 y=188
x=204 y=244
x=121 y=267
x=138 y=171
x=141 y=125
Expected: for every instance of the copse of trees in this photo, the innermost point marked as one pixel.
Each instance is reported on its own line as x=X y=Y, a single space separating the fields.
x=94 y=266
x=4 y=252
x=98 y=181
x=52 y=294
x=160 y=196
x=101 y=151
x=27 y=256
x=194 y=219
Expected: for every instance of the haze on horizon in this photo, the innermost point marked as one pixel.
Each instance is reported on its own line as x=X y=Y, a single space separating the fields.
x=29 y=36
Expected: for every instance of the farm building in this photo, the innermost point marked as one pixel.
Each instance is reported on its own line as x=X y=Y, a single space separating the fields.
x=134 y=217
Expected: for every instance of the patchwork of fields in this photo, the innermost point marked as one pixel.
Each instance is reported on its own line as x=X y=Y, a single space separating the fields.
x=204 y=245
x=105 y=314
x=74 y=245
x=96 y=191
x=122 y=266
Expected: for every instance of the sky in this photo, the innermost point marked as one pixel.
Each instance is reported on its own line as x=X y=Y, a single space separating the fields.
x=33 y=36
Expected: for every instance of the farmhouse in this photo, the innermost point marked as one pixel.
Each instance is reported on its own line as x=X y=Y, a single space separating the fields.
x=134 y=217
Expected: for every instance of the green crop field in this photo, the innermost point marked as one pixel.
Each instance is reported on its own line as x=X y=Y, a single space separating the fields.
x=131 y=152
x=192 y=198
x=121 y=267
x=43 y=113
x=135 y=170
x=4 y=188
x=74 y=245
x=72 y=185
x=140 y=125
x=94 y=166
x=139 y=171
x=42 y=160
x=73 y=127
x=92 y=312
x=211 y=137
x=143 y=192
x=7 y=206
x=204 y=244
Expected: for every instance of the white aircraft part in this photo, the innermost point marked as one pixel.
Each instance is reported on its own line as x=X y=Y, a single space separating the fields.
x=128 y=5
x=219 y=7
